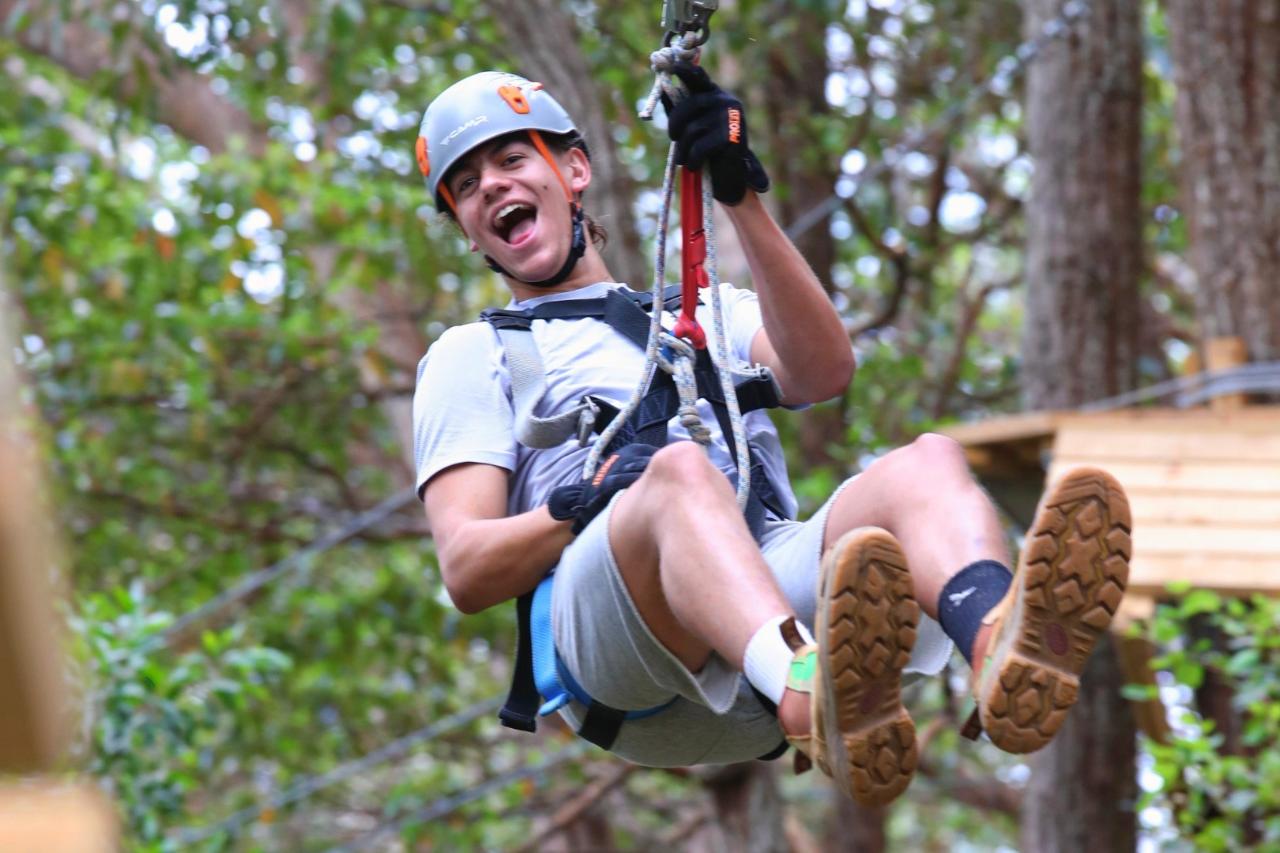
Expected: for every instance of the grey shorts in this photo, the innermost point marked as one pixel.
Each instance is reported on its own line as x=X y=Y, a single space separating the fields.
x=611 y=652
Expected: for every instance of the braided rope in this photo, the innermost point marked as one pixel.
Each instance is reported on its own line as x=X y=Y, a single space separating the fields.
x=720 y=349
x=651 y=357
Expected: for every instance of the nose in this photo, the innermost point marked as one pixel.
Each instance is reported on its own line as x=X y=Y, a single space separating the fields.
x=492 y=180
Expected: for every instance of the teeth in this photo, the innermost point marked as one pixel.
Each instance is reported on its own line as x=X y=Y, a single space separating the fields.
x=507 y=211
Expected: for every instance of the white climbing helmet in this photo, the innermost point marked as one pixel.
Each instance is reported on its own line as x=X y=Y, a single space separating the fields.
x=476 y=110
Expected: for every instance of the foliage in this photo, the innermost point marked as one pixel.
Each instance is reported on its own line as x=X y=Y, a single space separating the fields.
x=1222 y=795
x=159 y=720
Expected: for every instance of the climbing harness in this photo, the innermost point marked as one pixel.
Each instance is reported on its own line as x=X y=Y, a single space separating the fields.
x=538 y=669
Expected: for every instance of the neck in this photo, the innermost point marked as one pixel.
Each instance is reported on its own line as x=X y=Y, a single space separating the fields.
x=589 y=270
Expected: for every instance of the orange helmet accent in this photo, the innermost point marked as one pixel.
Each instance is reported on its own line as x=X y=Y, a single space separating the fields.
x=424 y=164
x=514 y=98
x=448 y=198
x=536 y=139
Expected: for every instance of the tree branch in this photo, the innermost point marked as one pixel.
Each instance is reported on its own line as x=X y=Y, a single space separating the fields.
x=183 y=98
x=571 y=811
x=989 y=795
x=964 y=329
x=901 y=265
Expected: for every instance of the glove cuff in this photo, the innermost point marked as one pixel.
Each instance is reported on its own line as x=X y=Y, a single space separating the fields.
x=565 y=502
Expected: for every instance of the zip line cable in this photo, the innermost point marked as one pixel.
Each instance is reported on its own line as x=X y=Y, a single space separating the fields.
x=1258 y=378
x=1009 y=67
x=310 y=785
x=298 y=560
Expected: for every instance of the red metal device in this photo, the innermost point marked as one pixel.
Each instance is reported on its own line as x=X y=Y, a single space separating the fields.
x=693 y=255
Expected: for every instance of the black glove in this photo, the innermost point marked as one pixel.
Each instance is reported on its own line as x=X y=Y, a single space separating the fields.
x=709 y=126
x=584 y=501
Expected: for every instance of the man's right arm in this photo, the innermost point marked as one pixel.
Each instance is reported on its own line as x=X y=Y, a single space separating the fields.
x=485 y=556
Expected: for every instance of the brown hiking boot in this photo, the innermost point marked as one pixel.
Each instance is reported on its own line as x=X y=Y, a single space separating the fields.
x=1068 y=586
x=866 y=622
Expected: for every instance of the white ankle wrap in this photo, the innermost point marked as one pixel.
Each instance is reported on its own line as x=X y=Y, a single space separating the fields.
x=768 y=657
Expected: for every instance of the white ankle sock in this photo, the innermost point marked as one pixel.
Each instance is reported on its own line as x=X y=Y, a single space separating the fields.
x=768 y=657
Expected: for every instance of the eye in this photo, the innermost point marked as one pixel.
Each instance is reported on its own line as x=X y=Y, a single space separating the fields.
x=465 y=184
x=511 y=159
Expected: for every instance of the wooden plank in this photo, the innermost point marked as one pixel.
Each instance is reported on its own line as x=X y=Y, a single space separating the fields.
x=33 y=719
x=1150 y=573
x=56 y=819
x=1162 y=507
x=1249 y=419
x=1133 y=607
x=1131 y=442
x=1028 y=425
x=1261 y=543
x=1241 y=478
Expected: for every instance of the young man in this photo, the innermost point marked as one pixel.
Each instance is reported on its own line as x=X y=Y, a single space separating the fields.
x=663 y=595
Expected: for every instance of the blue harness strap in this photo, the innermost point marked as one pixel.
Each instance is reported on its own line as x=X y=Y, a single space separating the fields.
x=557 y=686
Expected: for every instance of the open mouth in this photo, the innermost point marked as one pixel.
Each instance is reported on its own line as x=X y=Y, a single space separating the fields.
x=515 y=222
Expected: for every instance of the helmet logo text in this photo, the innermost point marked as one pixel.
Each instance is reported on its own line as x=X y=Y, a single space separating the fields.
x=463 y=128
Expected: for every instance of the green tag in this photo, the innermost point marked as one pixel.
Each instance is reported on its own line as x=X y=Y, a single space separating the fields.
x=803 y=668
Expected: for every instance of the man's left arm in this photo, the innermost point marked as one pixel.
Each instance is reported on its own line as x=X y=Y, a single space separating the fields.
x=803 y=340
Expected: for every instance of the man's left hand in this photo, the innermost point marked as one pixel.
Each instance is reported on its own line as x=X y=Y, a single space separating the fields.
x=709 y=126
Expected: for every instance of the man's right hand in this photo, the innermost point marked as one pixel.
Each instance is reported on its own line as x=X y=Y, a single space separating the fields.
x=583 y=501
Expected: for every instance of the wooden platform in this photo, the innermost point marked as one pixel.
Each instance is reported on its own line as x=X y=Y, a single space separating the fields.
x=34 y=723
x=53 y=818
x=1204 y=486
x=35 y=720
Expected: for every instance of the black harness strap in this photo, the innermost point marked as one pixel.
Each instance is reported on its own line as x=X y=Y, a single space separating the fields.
x=626 y=312
x=520 y=711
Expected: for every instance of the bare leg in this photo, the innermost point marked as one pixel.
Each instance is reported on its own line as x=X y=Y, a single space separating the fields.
x=680 y=543
x=925 y=496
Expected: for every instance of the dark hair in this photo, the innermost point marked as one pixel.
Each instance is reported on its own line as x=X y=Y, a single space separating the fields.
x=559 y=142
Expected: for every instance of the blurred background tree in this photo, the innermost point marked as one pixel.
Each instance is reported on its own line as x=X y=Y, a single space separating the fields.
x=226 y=269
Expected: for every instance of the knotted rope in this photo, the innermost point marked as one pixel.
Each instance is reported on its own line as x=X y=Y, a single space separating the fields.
x=682 y=355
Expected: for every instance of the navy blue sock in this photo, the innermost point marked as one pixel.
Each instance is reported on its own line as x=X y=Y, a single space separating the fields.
x=968 y=597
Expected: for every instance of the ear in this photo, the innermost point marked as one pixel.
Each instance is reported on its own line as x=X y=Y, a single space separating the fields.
x=578 y=173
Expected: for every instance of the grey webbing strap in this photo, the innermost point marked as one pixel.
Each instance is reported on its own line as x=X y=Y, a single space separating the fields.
x=528 y=384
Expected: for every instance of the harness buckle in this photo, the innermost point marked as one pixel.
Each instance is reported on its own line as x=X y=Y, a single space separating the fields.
x=587 y=419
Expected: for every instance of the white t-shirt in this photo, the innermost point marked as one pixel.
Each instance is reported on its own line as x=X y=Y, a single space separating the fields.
x=462 y=409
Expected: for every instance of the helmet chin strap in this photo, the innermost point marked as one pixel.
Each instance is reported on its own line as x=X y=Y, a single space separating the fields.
x=577 y=247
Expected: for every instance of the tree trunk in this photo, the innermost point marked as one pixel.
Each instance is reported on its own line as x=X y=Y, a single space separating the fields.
x=1084 y=220
x=748 y=808
x=543 y=40
x=855 y=828
x=1082 y=790
x=1226 y=60
x=1084 y=259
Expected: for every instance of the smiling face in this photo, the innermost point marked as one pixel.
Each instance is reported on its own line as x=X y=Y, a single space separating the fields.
x=513 y=207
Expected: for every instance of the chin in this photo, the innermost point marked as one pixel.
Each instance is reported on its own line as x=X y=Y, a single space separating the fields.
x=533 y=272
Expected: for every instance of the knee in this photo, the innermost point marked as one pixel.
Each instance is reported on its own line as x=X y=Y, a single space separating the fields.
x=679 y=462
x=681 y=470
x=928 y=458
x=935 y=451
